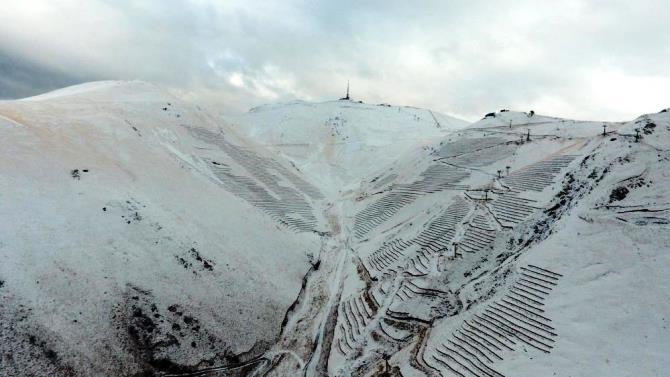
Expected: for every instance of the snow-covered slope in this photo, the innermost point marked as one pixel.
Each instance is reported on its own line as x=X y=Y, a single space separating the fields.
x=337 y=142
x=540 y=249
x=515 y=118
x=138 y=235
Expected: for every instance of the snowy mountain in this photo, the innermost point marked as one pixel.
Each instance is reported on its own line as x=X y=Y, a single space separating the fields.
x=141 y=235
x=337 y=142
x=540 y=249
x=130 y=235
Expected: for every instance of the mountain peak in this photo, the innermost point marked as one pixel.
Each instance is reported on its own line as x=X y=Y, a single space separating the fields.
x=107 y=90
x=333 y=141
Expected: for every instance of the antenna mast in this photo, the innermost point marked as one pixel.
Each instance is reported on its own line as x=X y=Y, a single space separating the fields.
x=346 y=98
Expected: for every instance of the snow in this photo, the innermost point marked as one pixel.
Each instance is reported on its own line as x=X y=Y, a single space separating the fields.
x=76 y=249
x=320 y=239
x=609 y=308
x=337 y=142
x=102 y=90
x=612 y=303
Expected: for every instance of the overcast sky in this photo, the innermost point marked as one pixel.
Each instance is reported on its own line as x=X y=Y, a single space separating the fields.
x=600 y=60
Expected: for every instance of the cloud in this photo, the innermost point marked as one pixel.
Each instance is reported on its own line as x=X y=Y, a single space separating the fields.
x=22 y=78
x=603 y=60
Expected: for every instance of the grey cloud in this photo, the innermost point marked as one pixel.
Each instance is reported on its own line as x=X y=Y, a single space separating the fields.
x=459 y=58
x=21 y=78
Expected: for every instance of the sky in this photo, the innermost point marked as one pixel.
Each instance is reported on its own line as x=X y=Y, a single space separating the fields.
x=595 y=60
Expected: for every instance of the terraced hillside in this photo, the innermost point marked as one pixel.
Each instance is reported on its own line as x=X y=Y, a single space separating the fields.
x=140 y=236
x=486 y=254
x=148 y=238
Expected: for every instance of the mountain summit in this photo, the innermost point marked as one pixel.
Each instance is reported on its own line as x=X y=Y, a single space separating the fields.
x=337 y=142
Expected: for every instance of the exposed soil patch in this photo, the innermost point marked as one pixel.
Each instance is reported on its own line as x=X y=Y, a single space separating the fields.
x=77 y=173
x=194 y=262
x=648 y=129
x=165 y=339
x=618 y=194
x=27 y=349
